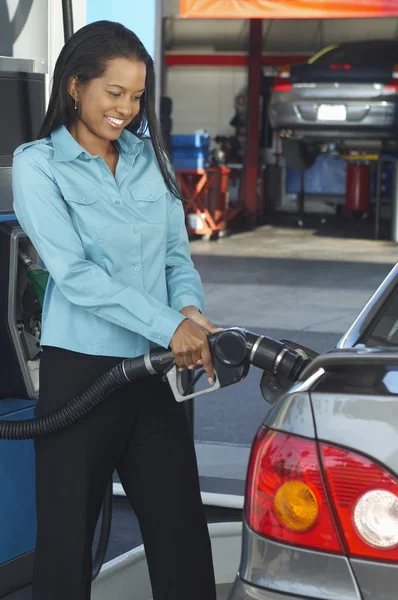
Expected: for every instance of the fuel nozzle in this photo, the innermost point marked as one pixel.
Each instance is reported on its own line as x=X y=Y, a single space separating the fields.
x=234 y=347
x=274 y=356
x=233 y=350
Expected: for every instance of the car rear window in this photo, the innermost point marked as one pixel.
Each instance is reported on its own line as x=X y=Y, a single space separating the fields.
x=384 y=330
x=364 y=53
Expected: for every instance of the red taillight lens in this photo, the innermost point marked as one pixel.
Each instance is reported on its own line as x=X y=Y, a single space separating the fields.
x=344 y=67
x=285 y=495
x=282 y=81
x=392 y=86
x=366 y=501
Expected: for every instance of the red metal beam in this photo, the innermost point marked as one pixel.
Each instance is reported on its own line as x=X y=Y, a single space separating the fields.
x=248 y=190
x=229 y=60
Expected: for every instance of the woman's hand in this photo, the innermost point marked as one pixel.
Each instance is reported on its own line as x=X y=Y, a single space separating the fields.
x=194 y=315
x=190 y=348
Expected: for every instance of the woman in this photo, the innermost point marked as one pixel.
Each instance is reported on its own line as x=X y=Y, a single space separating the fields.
x=100 y=204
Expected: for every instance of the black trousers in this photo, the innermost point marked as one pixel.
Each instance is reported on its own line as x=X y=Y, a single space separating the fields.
x=143 y=433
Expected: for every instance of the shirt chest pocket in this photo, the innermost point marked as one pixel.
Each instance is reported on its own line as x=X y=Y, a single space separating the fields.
x=148 y=200
x=74 y=196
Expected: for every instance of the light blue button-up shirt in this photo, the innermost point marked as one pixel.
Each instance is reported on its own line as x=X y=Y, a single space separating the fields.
x=116 y=247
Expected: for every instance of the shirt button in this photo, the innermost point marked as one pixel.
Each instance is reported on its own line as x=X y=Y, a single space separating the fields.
x=137 y=269
x=152 y=195
x=117 y=202
x=135 y=230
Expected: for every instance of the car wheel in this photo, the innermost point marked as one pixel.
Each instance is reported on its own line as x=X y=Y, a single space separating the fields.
x=298 y=155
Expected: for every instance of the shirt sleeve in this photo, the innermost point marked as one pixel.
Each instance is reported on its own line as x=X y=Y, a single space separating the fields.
x=43 y=214
x=183 y=281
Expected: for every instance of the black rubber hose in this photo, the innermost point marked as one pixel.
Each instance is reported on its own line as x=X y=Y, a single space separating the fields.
x=68 y=414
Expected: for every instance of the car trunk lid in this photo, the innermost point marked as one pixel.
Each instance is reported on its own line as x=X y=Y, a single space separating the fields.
x=344 y=73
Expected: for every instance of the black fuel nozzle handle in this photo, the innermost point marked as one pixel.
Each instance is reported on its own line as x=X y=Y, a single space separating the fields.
x=233 y=350
x=229 y=356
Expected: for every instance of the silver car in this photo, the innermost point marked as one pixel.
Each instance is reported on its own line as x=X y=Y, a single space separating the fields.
x=346 y=96
x=321 y=505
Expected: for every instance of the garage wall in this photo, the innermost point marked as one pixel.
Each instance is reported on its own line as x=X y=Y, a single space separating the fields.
x=203 y=97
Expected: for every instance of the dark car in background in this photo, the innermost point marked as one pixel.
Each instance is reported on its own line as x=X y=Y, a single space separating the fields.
x=345 y=96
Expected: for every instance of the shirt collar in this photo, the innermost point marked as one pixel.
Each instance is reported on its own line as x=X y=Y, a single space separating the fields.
x=66 y=148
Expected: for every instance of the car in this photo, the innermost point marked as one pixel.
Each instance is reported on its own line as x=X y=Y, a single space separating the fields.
x=344 y=97
x=321 y=503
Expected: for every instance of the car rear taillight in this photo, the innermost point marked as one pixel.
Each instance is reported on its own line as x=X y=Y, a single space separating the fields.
x=285 y=496
x=365 y=497
x=337 y=67
x=392 y=86
x=282 y=81
x=321 y=497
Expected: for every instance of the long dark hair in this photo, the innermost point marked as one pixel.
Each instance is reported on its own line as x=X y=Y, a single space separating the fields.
x=85 y=56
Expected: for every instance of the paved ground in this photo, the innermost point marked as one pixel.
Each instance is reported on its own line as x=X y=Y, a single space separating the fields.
x=285 y=282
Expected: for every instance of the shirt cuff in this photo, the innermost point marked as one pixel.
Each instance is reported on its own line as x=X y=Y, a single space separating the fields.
x=187 y=300
x=165 y=325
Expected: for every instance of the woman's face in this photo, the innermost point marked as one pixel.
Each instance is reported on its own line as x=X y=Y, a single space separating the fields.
x=108 y=104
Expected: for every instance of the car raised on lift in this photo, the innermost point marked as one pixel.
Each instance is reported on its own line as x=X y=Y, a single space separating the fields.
x=345 y=97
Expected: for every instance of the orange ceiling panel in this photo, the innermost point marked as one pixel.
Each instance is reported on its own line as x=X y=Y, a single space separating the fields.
x=287 y=9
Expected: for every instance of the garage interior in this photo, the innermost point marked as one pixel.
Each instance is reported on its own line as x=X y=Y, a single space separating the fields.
x=208 y=66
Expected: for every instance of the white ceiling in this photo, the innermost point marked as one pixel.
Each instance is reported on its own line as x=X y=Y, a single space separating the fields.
x=279 y=36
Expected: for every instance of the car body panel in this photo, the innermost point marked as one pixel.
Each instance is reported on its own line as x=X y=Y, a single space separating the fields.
x=376 y=580
x=244 y=591
x=360 y=422
x=294 y=570
x=364 y=118
x=292 y=413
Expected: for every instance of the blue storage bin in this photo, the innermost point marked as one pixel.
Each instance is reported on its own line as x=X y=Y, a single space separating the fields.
x=190 y=159
x=189 y=164
x=191 y=153
x=196 y=140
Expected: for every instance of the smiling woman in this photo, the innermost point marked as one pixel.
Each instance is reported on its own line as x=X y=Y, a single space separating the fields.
x=105 y=108
x=99 y=201
x=115 y=65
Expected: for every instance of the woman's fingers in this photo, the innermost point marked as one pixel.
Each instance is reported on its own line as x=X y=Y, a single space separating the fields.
x=207 y=363
x=191 y=348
